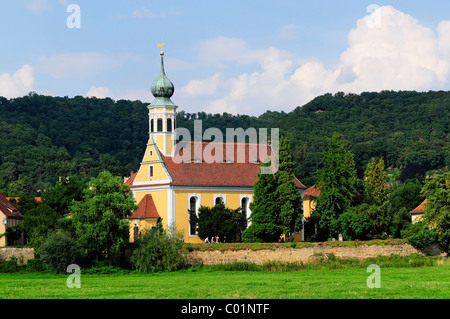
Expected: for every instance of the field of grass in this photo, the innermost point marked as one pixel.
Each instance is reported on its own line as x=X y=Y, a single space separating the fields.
x=396 y=283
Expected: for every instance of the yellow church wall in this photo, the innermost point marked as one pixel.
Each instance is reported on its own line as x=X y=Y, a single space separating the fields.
x=150 y=149
x=233 y=201
x=158 y=173
x=169 y=144
x=308 y=207
x=143 y=224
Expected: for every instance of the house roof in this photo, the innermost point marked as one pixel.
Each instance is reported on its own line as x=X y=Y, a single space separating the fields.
x=241 y=169
x=312 y=191
x=129 y=181
x=420 y=209
x=146 y=209
x=8 y=209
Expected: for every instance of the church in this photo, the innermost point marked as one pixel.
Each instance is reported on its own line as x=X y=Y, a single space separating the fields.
x=166 y=188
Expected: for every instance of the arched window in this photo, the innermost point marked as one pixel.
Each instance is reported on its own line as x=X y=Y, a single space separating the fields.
x=159 y=124
x=193 y=208
x=152 y=125
x=244 y=203
x=169 y=125
x=219 y=200
x=136 y=233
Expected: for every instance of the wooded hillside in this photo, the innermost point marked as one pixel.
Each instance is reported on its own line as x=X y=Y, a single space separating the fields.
x=44 y=137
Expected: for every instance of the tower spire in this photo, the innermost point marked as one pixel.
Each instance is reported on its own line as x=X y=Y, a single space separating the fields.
x=161 y=45
x=162 y=111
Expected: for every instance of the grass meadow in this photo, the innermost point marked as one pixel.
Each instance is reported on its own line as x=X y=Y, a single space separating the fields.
x=424 y=282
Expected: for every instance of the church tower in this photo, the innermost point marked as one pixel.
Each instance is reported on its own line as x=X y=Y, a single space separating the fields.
x=162 y=113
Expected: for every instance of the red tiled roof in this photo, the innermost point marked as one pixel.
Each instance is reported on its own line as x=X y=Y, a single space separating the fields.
x=9 y=209
x=146 y=209
x=312 y=191
x=298 y=183
x=241 y=171
x=130 y=180
x=420 y=209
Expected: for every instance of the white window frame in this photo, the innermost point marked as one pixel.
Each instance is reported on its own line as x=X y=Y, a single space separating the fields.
x=197 y=207
x=249 y=200
x=224 y=199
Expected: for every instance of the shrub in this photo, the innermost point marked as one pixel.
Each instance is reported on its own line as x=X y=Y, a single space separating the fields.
x=419 y=235
x=158 y=250
x=103 y=268
x=59 y=250
x=9 y=266
x=34 y=265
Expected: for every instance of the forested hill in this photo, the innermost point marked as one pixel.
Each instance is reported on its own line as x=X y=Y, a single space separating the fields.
x=43 y=137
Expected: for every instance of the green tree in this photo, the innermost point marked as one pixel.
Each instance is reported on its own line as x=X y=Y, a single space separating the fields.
x=99 y=218
x=219 y=221
x=375 y=182
x=407 y=195
x=59 y=250
x=264 y=226
x=36 y=224
x=336 y=180
x=356 y=223
x=25 y=203
x=437 y=208
x=288 y=195
x=61 y=195
x=376 y=193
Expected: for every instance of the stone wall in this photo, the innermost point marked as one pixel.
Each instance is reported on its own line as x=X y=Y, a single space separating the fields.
x=298 y=254
x=22 y=254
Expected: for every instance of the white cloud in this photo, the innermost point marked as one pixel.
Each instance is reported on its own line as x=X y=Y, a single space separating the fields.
x=206 y=87
x=388 y=50
x=99 y=92
x=18 y=84
x=399 y=54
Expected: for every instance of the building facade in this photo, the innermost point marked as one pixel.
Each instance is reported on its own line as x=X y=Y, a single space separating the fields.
x=173 y=178
x=9 y=216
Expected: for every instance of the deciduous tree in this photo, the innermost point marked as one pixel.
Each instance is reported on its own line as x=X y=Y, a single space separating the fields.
x=99 y=218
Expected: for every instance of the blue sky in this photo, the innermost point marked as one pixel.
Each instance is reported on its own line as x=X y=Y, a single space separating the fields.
x=224 y=56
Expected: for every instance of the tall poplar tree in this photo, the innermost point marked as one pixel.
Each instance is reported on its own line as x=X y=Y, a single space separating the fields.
x=264 y=219
x=336 y=180
x=277 y=202
x=375 y=182
x=288 y=195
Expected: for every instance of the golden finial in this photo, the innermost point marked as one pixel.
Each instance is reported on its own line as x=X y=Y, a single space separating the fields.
x=161 y=45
